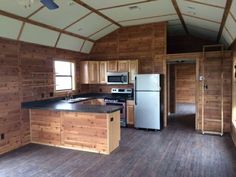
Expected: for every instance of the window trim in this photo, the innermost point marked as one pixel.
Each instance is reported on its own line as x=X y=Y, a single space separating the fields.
x=73 y=81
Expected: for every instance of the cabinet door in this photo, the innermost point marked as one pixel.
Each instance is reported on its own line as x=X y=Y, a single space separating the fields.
x=123 y=66
x=103 y=72
x=133 y=70
x=112 y=66
x=84 y=75
x=130 y=112
x=93 y=72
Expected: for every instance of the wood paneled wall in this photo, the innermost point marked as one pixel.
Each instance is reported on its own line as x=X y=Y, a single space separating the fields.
x=186 y=44
x=26 y=75
x=185 y=79
x=143 y=41
x=233 y=119
x=147 y=43
x=227 y=85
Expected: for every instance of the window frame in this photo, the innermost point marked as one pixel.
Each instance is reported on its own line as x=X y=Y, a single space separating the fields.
x=72 y=75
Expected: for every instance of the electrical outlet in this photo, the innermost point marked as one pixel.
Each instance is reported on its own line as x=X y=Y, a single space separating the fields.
x=2 y=136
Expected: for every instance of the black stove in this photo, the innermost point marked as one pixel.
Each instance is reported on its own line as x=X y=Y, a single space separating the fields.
x=118 y=98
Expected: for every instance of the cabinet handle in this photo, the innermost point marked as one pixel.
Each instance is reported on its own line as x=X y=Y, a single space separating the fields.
x=111 y=119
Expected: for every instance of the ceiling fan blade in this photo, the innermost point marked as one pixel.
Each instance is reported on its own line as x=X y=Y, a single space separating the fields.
x=50 y=4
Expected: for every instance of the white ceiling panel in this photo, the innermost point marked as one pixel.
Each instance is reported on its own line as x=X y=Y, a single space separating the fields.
x=233 y=8
x=150 y=9
x=70 y=43
x=67 y=13
x=174 y=22
x=148 y=20
x=201 y=23
x=202 y=33
x=87 y=47
x=39 y=35
x=89 y=25
x=104 y=32
x=98 y=4
x=231 y=26
x=202 y=11
x=220 y=3
x=226 y=37
x=15 y=7
x=10 y=27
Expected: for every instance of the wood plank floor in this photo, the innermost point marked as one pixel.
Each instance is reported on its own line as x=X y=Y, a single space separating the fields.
x=177 y=151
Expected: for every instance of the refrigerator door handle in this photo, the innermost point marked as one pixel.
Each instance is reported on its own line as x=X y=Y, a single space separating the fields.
x=135 y=100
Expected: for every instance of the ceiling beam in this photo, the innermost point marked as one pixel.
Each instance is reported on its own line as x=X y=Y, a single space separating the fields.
x=35 y=12
x=180 y=15
x=97 y=12
x=25 y=20
x=225 y=15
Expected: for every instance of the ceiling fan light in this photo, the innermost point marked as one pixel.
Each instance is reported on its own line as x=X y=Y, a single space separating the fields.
x=50 y=4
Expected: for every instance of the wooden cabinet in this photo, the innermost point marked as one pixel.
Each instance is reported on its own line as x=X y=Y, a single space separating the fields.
x=112 y=66
x=130 y=112
x=103 y=72
x=133 y=70
x=84 y=75
x=89 y=72
x=123 y=66
x=93 y=72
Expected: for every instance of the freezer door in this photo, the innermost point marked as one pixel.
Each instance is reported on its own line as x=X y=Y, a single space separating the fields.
x=147 y=110
x=147 y=82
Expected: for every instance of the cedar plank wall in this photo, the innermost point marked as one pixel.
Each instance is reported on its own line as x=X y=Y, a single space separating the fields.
x=185 y=83
x=147 y=43
x=20 y=80
x=233 y=126
x=183 y=44
x=227 y=69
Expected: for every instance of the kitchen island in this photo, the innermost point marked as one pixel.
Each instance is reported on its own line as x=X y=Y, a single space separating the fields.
x=93 y=128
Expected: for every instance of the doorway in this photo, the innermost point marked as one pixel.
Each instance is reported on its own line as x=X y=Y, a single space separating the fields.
x=182 y=89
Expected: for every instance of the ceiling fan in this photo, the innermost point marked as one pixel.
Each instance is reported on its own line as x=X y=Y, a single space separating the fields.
x=50 y=4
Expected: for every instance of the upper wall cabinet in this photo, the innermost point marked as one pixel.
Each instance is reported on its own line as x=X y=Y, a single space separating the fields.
x=112 y=66
x=133 y=70
x=123 y=66
x=89 y=72
x=103 y=72
x=95 y=72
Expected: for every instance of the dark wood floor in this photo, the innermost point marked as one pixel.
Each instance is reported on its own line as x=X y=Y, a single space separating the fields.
x=177 y=151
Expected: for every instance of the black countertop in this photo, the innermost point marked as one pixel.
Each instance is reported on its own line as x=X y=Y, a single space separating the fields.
x=59 y=104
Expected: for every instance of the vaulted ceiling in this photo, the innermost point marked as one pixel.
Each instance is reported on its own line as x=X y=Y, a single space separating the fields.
x=77 y=24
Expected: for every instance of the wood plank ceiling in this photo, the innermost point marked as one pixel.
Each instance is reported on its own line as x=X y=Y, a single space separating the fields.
x=77 y=24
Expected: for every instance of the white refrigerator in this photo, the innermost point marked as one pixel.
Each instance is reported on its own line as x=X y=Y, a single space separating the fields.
x=148 y=99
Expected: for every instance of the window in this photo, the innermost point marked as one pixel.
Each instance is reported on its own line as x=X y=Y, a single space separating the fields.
x=64 y=75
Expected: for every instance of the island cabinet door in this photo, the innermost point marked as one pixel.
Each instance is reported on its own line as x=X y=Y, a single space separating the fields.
x=45 y=127
x=113 y=122
x=84 y=131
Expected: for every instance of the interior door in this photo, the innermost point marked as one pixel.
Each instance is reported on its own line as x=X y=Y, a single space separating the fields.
x=212 y=102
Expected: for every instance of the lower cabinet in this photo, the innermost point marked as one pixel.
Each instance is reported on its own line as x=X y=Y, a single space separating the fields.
x=87 y=131
x=130 y=112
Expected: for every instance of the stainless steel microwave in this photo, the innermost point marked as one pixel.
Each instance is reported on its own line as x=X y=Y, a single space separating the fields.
x=117 y=78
